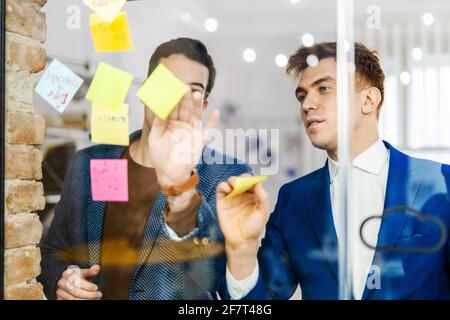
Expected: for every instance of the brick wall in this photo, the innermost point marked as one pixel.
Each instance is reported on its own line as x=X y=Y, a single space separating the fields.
x=24 y=194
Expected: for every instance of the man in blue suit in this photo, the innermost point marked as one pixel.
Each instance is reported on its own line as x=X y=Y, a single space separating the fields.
x=165 y=242
x=401 y=247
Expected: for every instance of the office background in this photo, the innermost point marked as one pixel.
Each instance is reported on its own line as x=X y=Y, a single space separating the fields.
x=250 y=41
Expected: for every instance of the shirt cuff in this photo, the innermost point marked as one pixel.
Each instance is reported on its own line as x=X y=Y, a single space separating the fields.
x=183 y=222
x=240 y=288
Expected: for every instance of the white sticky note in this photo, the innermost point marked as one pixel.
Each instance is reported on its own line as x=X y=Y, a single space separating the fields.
x=58 y=85
x=107 y=9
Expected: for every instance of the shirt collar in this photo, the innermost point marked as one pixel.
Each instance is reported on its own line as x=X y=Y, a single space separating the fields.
x=371 y=160
x=333 y=167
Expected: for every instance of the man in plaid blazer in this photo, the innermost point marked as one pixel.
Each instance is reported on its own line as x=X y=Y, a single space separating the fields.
x=165 y=242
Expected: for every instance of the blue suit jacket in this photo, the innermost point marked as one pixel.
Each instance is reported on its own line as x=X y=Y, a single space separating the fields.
x=165 y=270
x=300 y=245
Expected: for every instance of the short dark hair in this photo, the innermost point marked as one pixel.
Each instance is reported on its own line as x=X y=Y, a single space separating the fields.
x=368 y=67
x=192 y=49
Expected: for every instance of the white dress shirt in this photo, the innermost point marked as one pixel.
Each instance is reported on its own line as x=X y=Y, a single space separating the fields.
x=369 y=175
x=369 y=180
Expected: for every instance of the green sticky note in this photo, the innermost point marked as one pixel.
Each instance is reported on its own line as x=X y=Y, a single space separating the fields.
x=162 y=92
x=110 y=86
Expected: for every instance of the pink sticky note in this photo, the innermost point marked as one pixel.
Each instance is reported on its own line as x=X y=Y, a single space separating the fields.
x=109 y=180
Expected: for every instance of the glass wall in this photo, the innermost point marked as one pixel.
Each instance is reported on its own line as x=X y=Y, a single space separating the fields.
x=342 y=106
x=401 y=233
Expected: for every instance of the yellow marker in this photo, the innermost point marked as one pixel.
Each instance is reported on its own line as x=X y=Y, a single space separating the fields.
x=114 y=36
x=108 y=126
x=107 y=9
x=162 y=92
x=110 y=86
x=243 y=184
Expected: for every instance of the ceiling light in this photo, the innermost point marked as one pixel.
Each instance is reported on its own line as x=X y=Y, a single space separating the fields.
x=405 y=78
x=308 y=40
x=249 y=55
x=211 y=25
x=312 y=60
x=281 y=60
x=417 y=54
x=428 y=19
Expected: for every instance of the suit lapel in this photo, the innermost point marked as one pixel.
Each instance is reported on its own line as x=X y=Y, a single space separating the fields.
x=152 y=232
x=95 y=211
x=399 y=193
x=94 y=218
x=321 y=217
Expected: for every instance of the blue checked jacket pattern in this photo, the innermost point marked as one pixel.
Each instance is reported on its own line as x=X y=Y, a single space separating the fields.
x=192 y=269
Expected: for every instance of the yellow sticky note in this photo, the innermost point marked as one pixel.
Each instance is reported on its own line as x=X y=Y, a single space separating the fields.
x=110 y=86
x=162 y=91
x=243 y=184
x=107 y=9
x=109 y=126
x=114 y=36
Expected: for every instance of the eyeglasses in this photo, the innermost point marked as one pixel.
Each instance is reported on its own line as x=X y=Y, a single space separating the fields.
x=197 y=88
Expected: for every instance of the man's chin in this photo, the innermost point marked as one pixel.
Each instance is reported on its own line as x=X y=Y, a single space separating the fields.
x=320 y=144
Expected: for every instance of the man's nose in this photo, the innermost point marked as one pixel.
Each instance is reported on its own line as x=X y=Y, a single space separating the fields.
x=309 y=104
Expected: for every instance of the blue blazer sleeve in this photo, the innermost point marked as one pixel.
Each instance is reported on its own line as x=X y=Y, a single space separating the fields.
x=276 y=276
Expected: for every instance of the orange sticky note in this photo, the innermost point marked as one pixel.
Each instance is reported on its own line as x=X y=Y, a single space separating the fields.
x=114 y=36
x=162 y=92
x=243 y=184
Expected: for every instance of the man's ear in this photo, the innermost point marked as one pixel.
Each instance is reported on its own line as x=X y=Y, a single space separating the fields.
x=372 y=99
x=205 y=104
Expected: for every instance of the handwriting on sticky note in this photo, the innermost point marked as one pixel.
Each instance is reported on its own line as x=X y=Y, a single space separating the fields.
x=162 y=91
x=109 y=126
x=110 y=86
x=243 y=184
x=109 y=180
x=58 y=85
x=107 y=9
x=114 y=36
